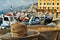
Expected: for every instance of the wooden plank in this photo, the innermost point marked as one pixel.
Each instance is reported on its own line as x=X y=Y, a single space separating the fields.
x=44 y=28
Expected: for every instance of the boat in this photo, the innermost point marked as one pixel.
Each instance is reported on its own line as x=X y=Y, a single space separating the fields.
x=7 y=20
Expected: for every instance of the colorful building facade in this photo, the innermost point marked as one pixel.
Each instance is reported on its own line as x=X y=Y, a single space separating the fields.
x=49 y=4
x=52 y=6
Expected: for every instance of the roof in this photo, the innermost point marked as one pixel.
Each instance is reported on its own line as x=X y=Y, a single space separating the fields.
x=8 y=15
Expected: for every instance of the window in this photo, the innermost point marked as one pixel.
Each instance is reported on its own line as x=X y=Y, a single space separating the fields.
x=6 y=19
x=57 y=3
x=40 y=3
x=0 y=20
x=52 y=8
x=44 y=7
x=57 y=7
x=52 y=3
x=11 y=18
x=40 y=7
x=48 y=3
x=48 y=8
x=44 y=3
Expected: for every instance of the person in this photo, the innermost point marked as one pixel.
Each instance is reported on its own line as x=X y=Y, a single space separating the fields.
x=18 y=16
x=19 y=19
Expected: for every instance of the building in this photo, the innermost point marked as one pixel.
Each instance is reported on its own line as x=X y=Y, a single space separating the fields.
x=33 y=7
x=49 y=4
x=52 y=5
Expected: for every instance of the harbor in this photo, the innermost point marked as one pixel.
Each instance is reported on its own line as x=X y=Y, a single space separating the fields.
x=36 y=22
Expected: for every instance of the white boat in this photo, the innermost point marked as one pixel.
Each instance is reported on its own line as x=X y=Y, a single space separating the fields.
x=7 y=20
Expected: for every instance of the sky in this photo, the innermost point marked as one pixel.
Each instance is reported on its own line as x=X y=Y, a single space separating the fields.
x=4 y=4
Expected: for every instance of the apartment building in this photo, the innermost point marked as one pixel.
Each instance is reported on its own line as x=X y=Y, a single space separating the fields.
x=49 y=4
x=52 y=5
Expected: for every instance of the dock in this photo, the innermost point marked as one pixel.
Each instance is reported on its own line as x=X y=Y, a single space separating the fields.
x=44 y=28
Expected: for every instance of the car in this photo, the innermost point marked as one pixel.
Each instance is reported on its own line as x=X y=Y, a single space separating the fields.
x=46 y=19
x=33 y=21
x=38 y=20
